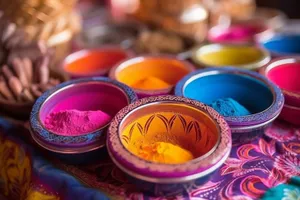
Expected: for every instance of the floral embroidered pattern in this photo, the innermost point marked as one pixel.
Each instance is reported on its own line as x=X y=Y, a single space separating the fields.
x=251 y=169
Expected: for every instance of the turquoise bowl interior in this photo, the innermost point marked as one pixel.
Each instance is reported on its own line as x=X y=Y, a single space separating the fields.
x=250 y=92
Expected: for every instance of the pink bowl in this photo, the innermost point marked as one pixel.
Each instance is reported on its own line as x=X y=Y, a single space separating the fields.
x=290 y=114
x=285 y=72
x=241 y=32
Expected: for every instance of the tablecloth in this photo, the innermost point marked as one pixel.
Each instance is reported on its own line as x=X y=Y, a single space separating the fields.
x=248 y=173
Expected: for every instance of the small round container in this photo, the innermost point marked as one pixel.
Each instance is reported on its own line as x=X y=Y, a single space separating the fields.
x=285 y=72
x=94 y=62
x=95 y=36
x=180 y=121
x=82 y=94
x=238 y=33
x=260 y=96
x=283 y=45
x=151 y=75
x=290 y=114
x=240 y=56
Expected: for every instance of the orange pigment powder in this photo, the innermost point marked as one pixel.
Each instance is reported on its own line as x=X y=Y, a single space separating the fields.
x=150 y=83
x=163 y=152
x=95 y=62
x=152 y=73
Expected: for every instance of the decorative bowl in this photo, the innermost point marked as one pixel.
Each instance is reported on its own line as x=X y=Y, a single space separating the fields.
x=176 y=120
x=235 y=55
x=151 y=75
x=86 y=94
x=261 y=97
x=242 y=32
x=285 y=72
x=282 y=44
x=94 y=62
x=290 y=114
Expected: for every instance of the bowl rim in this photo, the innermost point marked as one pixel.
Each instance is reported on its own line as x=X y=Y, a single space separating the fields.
x=85 y=52
x=218 y=46
x=71 y=144
x=278 y=62
x=240 y=121
x=275 y=37
x=166 y=173
x=125 y=63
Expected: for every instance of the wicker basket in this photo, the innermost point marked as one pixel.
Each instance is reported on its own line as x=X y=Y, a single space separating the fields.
x=32 y=12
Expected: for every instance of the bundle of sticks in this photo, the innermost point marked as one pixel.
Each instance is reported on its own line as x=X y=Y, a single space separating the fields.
x=24 y=68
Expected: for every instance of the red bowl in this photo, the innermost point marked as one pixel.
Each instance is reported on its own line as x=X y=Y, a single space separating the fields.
x=290 y=114
x=285 y=72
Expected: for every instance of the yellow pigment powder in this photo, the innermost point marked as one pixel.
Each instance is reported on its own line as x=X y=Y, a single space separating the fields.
x=150 y=83
x=163 y=152
x=230 y=56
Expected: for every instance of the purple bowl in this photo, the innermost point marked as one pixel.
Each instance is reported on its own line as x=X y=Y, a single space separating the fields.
x=210 y=143
x=97 y=93
x=262 y=98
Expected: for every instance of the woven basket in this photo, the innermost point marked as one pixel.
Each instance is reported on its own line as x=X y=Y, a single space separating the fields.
x=32 y=12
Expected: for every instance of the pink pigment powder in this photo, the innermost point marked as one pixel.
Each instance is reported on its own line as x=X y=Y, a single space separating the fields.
x=75 y=122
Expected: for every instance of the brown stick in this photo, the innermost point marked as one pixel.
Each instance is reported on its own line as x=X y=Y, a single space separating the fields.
x=15 y=86
x=20 y=71
x=42 y=70
x=28 y=70
x=6 y=72
x=26 y=95
x=4 y=90
x=35 y=91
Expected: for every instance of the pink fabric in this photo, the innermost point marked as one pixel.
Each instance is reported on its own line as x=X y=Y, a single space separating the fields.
x=75 y=122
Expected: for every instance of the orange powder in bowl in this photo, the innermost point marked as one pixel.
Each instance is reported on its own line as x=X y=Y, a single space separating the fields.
x=93 y=62
x=151 y=73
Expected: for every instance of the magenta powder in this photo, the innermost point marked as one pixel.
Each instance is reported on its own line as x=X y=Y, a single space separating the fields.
x=75 y=122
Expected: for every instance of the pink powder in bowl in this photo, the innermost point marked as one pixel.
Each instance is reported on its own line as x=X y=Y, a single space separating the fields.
x=75 y=122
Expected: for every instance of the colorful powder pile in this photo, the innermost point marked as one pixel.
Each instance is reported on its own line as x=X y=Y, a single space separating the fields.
x=75 y=122
x=229 y=107
x=150 y=83
x=163 y=152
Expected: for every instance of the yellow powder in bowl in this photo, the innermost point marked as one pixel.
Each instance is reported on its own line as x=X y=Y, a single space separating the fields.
x=163 y=152
x=150 y=83
x=230 y=56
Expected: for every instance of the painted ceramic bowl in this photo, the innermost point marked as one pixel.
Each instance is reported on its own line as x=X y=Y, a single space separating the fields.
x=94 y=62
x=88 y=94
x=240 y=56
x=283 y=45
x=285 y=72
x=290 y=114
x=261 y=97
x=151 y=75
x=239 y=33
x=183 y=122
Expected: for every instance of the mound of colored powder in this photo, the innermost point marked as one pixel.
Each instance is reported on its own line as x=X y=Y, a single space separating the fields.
x=75 y=122
x=150 y=83
x=229 y=107
x=163 y=152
